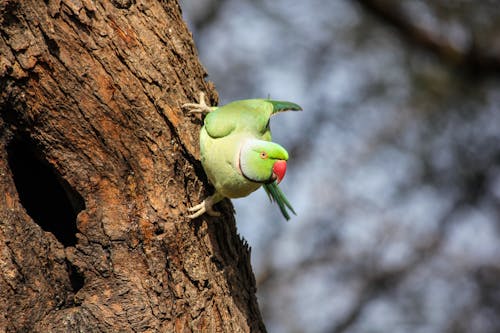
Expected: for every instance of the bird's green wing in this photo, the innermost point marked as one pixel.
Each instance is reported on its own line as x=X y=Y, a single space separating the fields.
x=218 y=125
x=275 y=194
x=245 y=115
x=280 y=106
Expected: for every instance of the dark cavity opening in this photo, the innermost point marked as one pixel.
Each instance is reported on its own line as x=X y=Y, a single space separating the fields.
x=50 y=201
x=75 y=278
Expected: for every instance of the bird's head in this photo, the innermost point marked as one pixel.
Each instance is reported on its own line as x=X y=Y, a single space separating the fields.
x=262 y=161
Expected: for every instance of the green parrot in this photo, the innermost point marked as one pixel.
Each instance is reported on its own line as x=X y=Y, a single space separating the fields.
x=237 y=153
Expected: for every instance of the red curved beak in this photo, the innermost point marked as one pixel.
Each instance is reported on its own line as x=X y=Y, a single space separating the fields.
x=279 y=170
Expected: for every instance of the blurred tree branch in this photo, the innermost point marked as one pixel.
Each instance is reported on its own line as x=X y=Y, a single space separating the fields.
x=207 y=14
x=473 y=59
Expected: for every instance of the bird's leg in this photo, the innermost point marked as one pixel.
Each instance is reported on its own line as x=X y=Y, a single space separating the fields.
x=200 y=107
x=206 y=206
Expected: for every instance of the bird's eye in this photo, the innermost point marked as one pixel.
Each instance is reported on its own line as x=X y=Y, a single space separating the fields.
x=263 y=155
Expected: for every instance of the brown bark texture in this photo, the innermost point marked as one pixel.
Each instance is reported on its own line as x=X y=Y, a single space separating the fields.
x=98 y=164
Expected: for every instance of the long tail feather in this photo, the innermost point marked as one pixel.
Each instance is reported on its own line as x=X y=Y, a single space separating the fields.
x=275 y=194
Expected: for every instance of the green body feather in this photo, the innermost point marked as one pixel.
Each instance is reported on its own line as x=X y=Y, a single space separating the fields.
x=226 y=130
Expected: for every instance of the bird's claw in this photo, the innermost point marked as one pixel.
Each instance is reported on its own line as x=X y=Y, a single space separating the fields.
x=205 y=207
x=200 y=107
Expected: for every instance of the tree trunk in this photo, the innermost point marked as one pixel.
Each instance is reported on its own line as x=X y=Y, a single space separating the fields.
x=98 y=164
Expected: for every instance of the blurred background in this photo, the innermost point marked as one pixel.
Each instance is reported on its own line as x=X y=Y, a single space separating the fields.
x=394 y=166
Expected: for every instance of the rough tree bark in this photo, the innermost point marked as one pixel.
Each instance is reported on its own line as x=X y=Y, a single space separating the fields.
x=97 y=167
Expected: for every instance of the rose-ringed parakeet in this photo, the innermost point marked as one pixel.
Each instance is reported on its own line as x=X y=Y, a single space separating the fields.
x=237 y=153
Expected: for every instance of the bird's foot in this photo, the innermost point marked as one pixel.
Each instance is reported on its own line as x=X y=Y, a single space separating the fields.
x=205 y=207
x=200 y=107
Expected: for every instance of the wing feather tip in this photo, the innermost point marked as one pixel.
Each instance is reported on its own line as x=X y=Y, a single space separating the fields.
x=280 y=106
